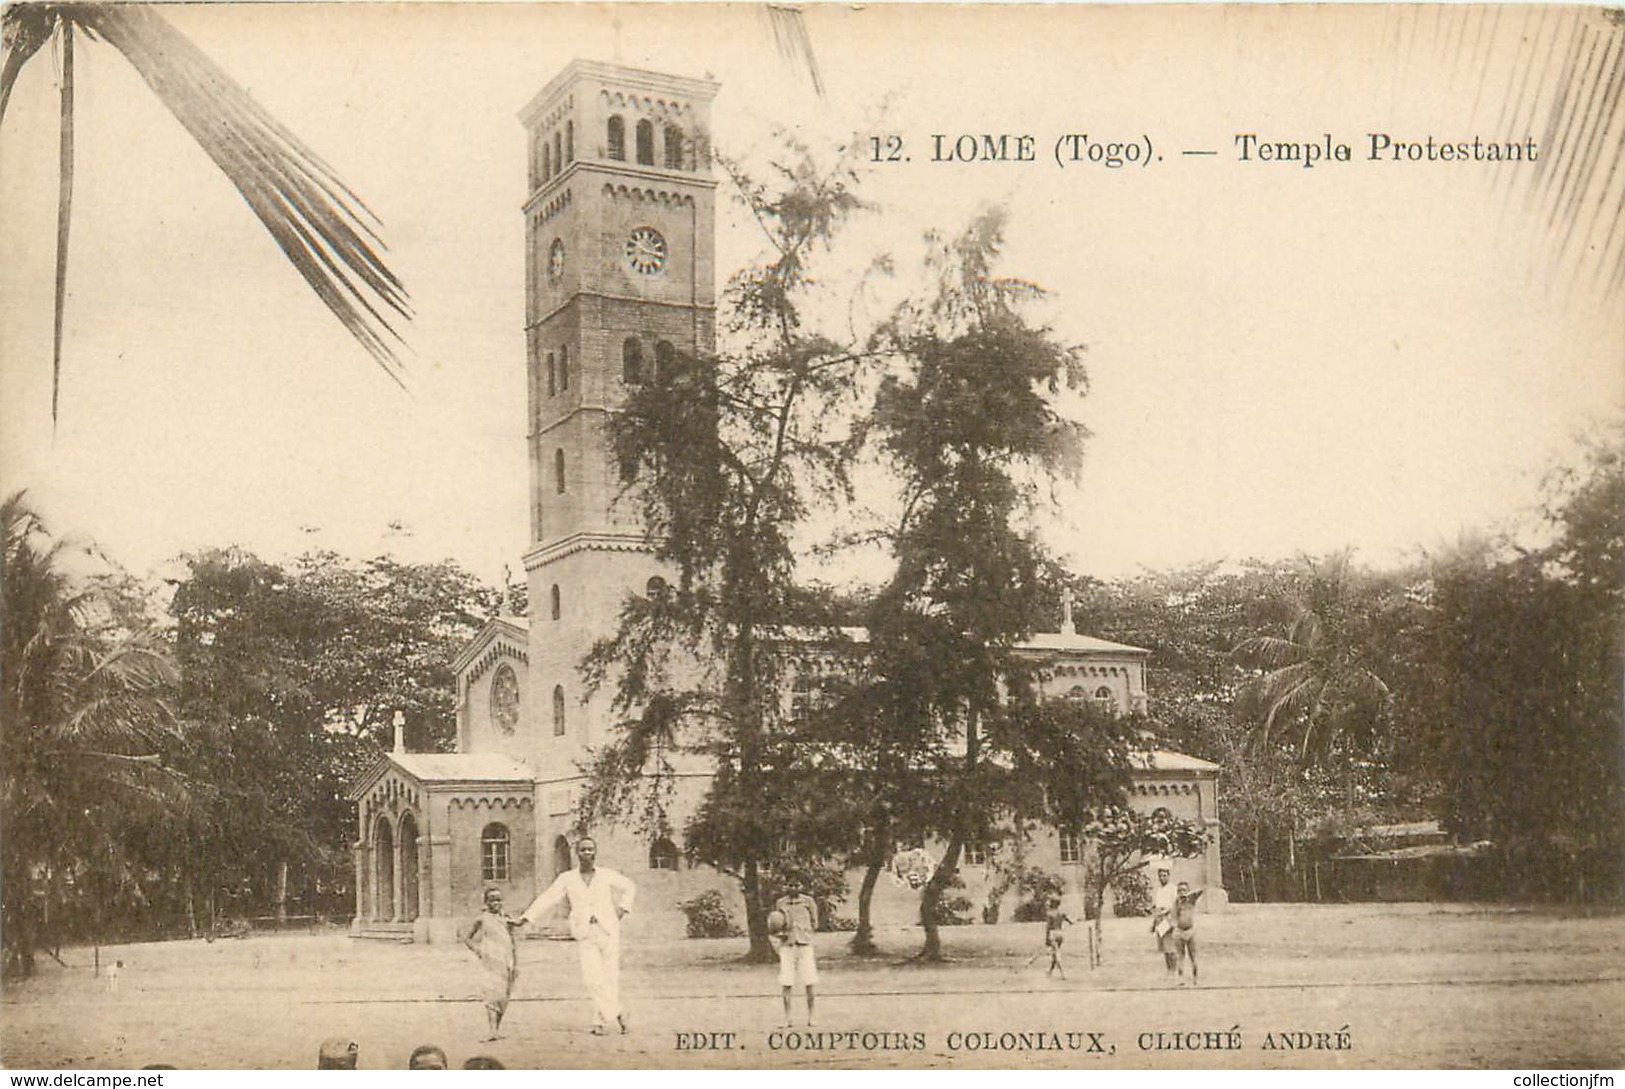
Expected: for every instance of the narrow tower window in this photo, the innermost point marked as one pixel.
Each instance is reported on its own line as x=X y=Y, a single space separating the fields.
x=558 y=710
x=553 y=601
x=646 y=143
x=631 y=361
x=564 y=367
x=674 y=148
x=616 y=138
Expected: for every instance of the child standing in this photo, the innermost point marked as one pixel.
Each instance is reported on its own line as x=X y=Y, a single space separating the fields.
x=1053 y=924
x=796 y=963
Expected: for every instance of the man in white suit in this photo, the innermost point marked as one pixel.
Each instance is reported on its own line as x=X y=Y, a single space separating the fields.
x=598 y=898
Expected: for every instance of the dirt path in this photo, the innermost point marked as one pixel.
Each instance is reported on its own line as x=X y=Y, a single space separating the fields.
x=1414 y=987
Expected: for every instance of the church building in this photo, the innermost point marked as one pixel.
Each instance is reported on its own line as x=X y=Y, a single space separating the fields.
x=620 y=282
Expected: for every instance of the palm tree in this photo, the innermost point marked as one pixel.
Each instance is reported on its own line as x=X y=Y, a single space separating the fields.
x=1318 y=679
x=82 y=717
x=320 y=225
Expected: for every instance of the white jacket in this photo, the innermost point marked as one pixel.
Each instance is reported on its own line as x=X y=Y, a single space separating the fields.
x=591 y=905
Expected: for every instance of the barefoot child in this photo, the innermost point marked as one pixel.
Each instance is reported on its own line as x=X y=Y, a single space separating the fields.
x=796 y=962
x=491 y=939
x=1053 y=923
x=1184 y=933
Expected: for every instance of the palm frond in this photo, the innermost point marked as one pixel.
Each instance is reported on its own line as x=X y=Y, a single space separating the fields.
x=24 y=28
x=790 y=36
x=320 y=225
x=1269 y=651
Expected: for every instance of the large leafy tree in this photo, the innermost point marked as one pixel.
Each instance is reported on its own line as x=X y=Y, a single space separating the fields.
x=291 y=678
x=728 y=453
x=969 y=422
x=86 y=719
x=1516 y=703
x=325 y=231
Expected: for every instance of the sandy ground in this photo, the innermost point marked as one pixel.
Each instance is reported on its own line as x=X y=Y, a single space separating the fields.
x=1415 y=985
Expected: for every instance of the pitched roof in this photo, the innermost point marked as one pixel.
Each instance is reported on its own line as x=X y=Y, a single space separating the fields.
x=516 y=629
x=1043 y=640
x=1166 y=760
x=447 y=767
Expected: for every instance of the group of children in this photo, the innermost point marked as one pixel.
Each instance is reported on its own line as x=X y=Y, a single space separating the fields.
x=1173 y=921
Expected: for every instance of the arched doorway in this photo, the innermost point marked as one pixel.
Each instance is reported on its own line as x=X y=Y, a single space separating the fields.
x=561 y=855
x=383 y=888
x=409 y=869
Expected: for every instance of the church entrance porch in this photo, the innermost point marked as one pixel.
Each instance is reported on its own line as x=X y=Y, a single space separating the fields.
x=434 y=831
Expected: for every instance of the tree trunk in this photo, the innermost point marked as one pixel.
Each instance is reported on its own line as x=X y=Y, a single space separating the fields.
x=282 y=895
x=761 y=947
x=863 y=942
x=1096 y=947
x=931 y=899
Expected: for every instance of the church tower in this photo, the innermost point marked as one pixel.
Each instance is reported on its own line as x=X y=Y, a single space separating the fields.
x=619 y=233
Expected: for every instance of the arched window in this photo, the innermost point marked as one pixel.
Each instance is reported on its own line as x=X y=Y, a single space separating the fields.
x=663 y=854
x=674 y=148
x=665 y=362
x=1103 y=696
x=1078 y=692
x=656 y=589
x=558 y=471
x=558 y=710
x=631 y=361
x=554 y=604
x=616 y=138
x=569 y=141
x=558 y=151
x=646 y=142
x=564 y=367
x=547 y=161
x=552 y=375
x=494 y=844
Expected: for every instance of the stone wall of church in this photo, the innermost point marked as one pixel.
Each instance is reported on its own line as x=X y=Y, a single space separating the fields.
x=466 y=820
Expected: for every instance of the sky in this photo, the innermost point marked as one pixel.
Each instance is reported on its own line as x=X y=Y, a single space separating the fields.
x=1283 y=359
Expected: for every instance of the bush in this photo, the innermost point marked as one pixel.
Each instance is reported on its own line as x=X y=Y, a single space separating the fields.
x=839 y=923
x=1131 y=894
x=708 y=917
x=1040 y=889
x=951 y=909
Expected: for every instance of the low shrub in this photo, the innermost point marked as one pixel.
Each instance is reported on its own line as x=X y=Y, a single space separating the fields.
x=708 y=917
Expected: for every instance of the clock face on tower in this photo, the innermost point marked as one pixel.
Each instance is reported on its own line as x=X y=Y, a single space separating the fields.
x=505 y=699
x=646 y=251
x=555 y=260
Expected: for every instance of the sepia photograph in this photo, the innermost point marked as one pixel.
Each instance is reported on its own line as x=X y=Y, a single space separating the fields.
x=725 y=537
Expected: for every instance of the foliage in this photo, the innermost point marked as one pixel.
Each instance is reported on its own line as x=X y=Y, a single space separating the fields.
x=952 y=908
x=1523 y=734
x=1039 y=889
x=728 y=454
x=85 y=722
x=708 y=916
x=1320 y=682
x=1131 y=894
x=327 y=233
x=291 y=677
x=969 y=422
x=1123 y=840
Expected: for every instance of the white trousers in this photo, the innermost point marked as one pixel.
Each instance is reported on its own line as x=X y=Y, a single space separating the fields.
x=601 y=972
